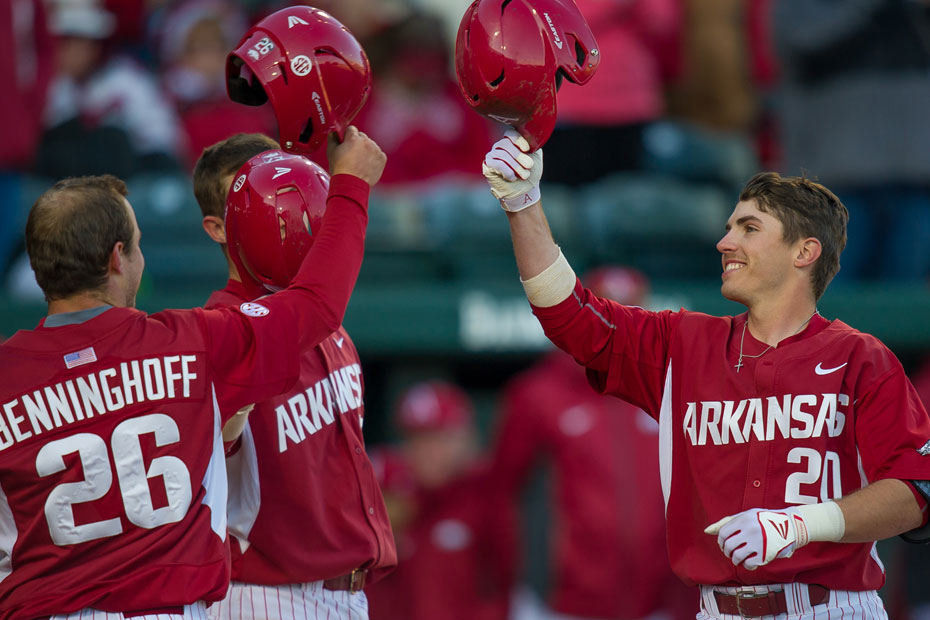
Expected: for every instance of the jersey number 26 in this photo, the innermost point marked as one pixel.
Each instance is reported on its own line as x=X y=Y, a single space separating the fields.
x=131 y=474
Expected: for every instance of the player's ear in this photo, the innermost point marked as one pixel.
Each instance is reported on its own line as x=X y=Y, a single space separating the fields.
x=809 y=251
x=215 y=228
x=116 y=258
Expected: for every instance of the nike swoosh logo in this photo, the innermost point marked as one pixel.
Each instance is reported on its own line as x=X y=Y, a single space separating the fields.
x=339 y=341
x=820 y=370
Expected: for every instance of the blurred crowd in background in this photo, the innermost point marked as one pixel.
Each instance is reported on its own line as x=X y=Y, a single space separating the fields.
x=691 y=98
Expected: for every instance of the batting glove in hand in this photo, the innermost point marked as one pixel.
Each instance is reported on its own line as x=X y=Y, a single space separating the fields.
x=756 y=537
x=513 y=172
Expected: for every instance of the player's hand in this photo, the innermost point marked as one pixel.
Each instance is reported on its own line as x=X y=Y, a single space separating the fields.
x=513 y=172
x=756 y=537
x=357 y=155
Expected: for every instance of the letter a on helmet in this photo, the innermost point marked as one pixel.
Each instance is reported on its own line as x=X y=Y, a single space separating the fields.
x=309 y=66
x=510 y=56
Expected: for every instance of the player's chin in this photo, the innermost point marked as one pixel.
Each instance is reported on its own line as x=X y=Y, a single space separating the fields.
x=729 y=291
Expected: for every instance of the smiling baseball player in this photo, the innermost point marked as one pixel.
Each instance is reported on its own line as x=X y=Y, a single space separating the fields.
x=789 y=442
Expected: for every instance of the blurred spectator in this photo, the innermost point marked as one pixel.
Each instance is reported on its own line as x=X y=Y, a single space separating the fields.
x=25 y=70
x=600 y=125
x=728 y=70
x=607 y=553
x=415 y=111
x=195 y=38
x=853 y=114
x=453 y=543
x=105 y=113
x=26 y=65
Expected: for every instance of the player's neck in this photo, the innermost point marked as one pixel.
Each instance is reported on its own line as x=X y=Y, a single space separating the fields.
x=84 y=300
x=778 y=319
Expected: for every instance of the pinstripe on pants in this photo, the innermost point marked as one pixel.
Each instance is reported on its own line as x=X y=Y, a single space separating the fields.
x=299 y=601
x=197 y=611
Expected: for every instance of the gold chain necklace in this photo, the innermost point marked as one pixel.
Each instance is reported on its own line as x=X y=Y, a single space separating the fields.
x=740 y=364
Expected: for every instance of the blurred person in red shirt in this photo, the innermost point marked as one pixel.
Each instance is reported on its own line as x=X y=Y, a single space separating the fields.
x=195 y=38
x=454 y=542
x=26 y=65
x=607 y=548
x=415 y=111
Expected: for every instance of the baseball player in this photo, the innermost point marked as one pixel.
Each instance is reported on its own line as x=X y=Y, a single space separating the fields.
x=112 y=477
x=789 y=443
x=455 y=535
x=601 y=452
x=306 y=517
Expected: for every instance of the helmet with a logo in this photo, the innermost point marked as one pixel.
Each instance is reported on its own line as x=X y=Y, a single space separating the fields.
x=511 y=55
x=624 y=285
x=273 y=214
x=309 y=66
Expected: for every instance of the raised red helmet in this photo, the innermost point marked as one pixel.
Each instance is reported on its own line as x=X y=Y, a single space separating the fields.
x=510 y=55
x=312 y=69
x=273 y=213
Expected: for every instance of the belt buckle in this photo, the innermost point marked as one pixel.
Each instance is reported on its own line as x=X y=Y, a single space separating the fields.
x=747 y=594
x=352 y=579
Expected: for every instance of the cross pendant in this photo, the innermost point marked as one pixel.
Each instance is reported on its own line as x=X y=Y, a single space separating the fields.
x=739 y=365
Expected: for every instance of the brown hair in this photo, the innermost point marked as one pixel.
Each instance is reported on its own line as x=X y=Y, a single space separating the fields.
x=805 y=209
x=71 y=231
x=221 y=160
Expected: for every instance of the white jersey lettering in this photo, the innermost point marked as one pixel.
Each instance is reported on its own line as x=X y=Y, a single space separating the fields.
x=306 y=410
x=802 y=416
x=96 y=393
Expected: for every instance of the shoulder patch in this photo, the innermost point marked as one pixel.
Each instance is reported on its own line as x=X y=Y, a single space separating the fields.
x=250 y=308
x=924 y=450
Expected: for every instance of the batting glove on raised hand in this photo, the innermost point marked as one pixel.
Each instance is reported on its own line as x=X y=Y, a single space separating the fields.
x=513 y=172
x=755 y=537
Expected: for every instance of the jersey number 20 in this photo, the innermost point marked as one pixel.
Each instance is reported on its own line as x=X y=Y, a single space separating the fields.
x=131 y=474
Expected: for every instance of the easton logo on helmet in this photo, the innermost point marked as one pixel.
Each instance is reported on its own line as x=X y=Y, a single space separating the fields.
x=319 y=108
x=555 y=33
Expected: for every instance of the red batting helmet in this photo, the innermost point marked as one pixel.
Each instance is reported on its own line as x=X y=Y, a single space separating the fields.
x=510 y=56
x=311 y=68
x=273 y=213
x=433 y=405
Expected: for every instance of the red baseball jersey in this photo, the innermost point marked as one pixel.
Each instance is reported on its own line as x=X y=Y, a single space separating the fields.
x=112 y=476
x=603 y=454
x=304 y=503
x=456 y=555
x=822 y=415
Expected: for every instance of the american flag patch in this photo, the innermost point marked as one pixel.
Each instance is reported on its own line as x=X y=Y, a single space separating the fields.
x=79 y=358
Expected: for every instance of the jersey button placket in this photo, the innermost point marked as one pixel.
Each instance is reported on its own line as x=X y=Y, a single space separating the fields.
x=759 y=451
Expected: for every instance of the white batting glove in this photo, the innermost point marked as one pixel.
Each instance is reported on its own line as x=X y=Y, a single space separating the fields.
x=755 y=537
x=513 y=172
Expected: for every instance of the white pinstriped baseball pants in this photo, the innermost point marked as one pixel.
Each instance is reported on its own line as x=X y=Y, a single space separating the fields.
x=299 y=601
x=845 y=604
x=197 y=611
